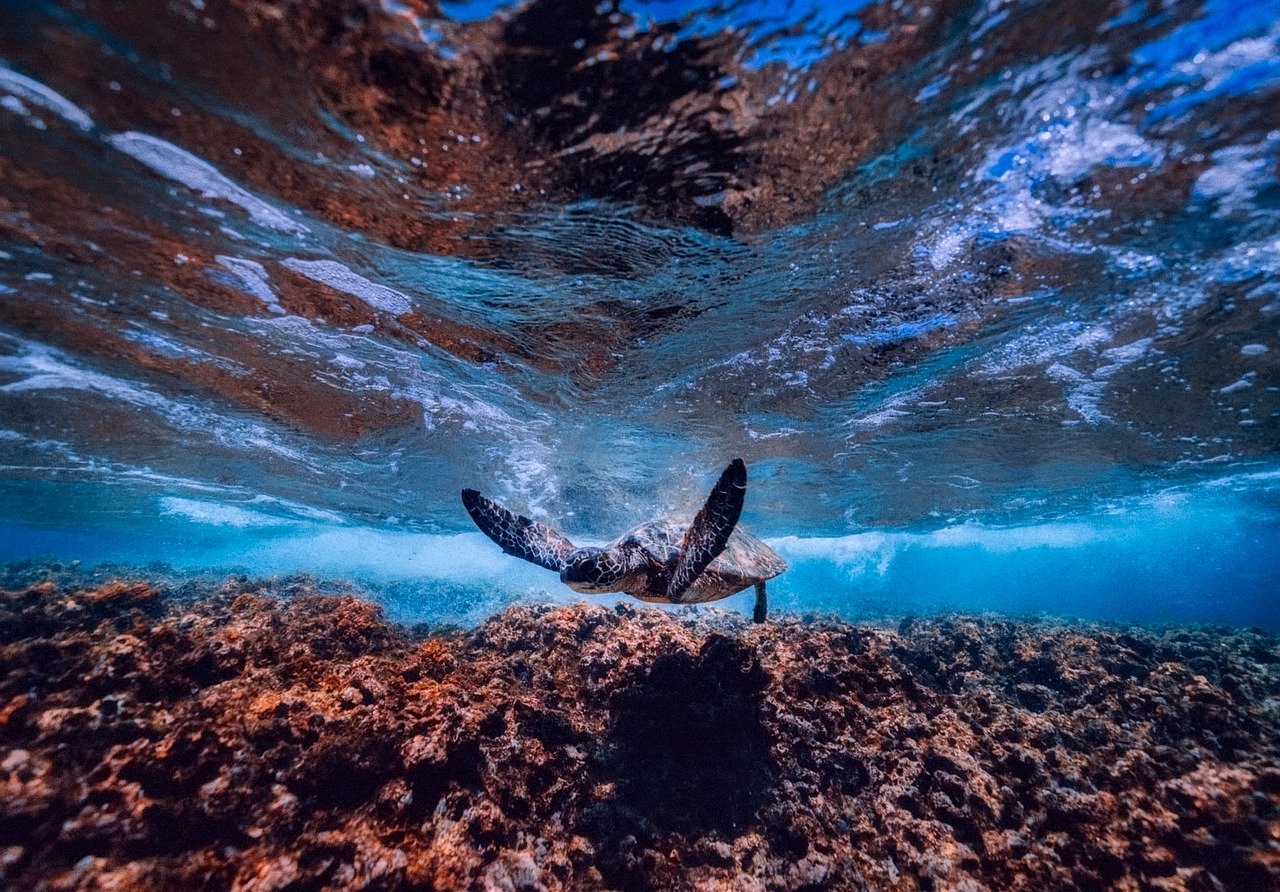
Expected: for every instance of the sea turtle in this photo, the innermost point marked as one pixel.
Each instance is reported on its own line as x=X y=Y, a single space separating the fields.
x=665 y=561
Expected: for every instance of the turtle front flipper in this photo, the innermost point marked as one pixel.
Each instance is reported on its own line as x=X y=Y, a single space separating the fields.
x=710 y=531
x=517 y=535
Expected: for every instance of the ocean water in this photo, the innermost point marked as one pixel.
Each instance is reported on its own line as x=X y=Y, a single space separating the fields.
x=1012 y=344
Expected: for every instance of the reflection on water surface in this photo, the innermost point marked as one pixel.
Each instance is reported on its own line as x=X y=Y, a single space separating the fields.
x=930 y=268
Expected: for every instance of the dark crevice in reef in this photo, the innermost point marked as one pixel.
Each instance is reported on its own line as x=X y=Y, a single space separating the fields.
x=268 y=736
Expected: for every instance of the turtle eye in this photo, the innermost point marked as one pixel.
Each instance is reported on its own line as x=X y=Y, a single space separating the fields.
x=580 y=568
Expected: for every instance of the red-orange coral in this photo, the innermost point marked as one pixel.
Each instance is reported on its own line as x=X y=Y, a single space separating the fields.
x=267 y=742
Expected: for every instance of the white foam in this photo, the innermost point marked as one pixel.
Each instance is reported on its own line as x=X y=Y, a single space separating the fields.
x=168 y=347
x=305 y=512
x=873 y=553
x=1135 y=261
x=463 y=577
x=1065 y=133
x=15 y=105
x=44 y=368
x=1083 y=394
x=253 y=279
x=23 y=87
x=1215 y=69
x=1127 y=353
x=1236 y=177
x=529 y=475
x=1244 y=382
x=335 y=275
x=100 y=467
x=1095 y=142
x=365 y=552
x=372 y=364
x=1250 y=260
x=181 y=166
x=869 y=552
x=947 y=247
x=1037 y=348
x=217 y=514
x=889 y=410
x=1005 y=540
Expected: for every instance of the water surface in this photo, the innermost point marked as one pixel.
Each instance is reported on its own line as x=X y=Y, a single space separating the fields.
x=986 y=294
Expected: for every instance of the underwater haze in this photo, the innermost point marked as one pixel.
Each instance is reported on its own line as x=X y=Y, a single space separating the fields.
x=986 y=294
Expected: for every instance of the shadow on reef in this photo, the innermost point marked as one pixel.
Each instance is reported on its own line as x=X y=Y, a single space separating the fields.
x=686 y=750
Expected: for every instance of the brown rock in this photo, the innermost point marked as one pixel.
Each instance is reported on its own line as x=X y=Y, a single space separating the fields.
x=264 y=742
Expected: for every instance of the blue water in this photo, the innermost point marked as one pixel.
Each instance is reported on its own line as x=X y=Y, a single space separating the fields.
x=1023 y=357
x=1201 y=554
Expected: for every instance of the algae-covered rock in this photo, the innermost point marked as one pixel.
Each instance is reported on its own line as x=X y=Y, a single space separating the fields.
x=265 y=741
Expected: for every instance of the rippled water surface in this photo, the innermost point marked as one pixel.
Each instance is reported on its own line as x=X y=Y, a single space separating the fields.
x=986 y=294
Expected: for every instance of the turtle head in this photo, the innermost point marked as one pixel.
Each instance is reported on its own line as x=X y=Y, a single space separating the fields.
x=593 y=571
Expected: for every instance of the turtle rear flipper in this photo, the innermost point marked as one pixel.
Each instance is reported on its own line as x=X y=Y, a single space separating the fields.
x=761 y=613
x=710 y=531
x=518 y=535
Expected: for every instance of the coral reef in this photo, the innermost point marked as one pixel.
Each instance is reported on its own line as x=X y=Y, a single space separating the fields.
x=266 y=741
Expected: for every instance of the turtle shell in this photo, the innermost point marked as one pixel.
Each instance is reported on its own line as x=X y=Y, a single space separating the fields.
x=745 y=561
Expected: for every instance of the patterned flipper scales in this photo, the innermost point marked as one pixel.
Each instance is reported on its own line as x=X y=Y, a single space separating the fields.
x=710 y=530
x=517 y=535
